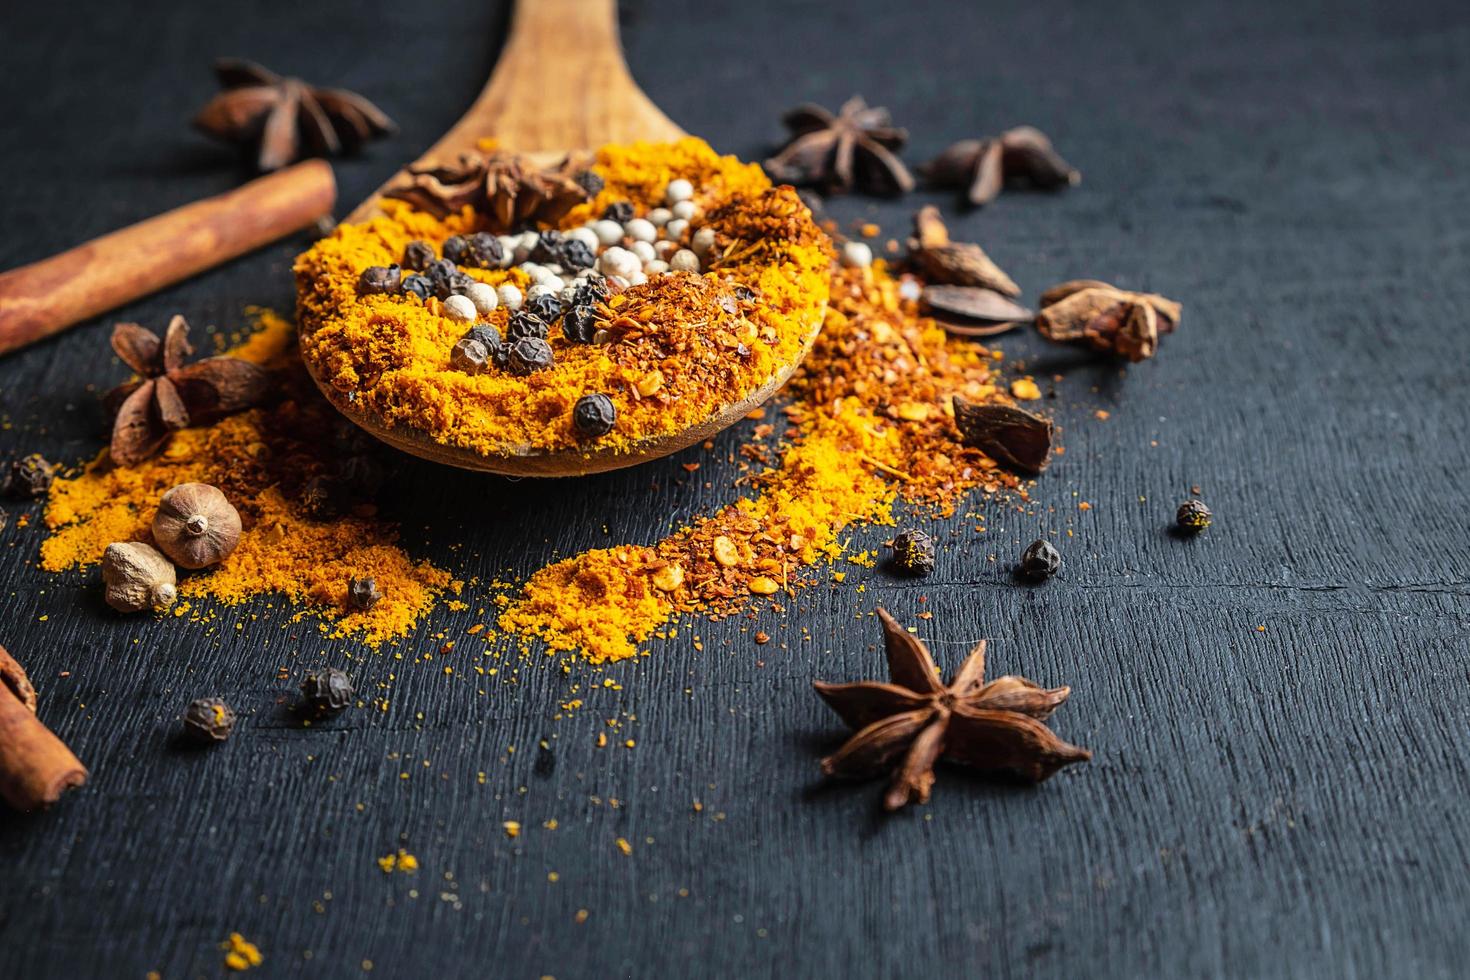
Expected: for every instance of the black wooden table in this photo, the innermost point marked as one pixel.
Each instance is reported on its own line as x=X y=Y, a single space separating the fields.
x=1278 y=709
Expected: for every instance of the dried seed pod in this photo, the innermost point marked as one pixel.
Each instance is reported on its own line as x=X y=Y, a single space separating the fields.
x=138 y=577
x=913 y=553
x=1108 y=318
x=208 y=720
x=977 y=304
x=327 y=692
x=944 y=262
x=196 y=526
x=30 y=477
x=1012 y=437
x=1041 y=560
x=1193 y=516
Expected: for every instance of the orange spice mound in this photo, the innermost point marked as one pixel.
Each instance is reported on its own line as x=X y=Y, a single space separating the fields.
x=268 y=462
x=679 y=352
x=871 y=422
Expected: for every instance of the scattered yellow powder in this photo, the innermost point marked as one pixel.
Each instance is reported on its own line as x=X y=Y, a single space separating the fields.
x=263 y=460
x=240 y=953
x=403 y=862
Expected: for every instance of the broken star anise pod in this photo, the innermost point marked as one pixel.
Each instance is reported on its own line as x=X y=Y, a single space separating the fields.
x=279 y=115
x=511 y=189
x=1111 y=319
x=173 y=395
x=982 y=167
x=853 y=149
x=909 y=724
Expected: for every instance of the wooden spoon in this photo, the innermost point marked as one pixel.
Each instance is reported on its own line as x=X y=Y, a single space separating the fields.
x=561 y=85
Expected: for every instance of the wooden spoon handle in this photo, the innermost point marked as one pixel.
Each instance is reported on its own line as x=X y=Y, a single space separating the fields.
x=562 y=84
x=45 y=297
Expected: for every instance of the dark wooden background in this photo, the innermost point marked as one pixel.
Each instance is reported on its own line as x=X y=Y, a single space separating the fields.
x=1280 y=803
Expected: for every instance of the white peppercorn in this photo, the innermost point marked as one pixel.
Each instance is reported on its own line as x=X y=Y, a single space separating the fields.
x=510 y=297
x=703 y=240
x=856 y=255
x=586 y=236
x=659 y=217
x=675 y=229
x=525 y=242
x=684 y=210
x=483 y=296
x=644 y=251
x=678 y=190
x=619 y=262
x=460 y=308
x=656 y=267
x=684 y=261
x=607 y=232
x=641 y=230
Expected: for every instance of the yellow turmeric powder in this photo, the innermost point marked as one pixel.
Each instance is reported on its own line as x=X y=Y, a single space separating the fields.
x=262 y=460
x=678 y=347
x=872 y=421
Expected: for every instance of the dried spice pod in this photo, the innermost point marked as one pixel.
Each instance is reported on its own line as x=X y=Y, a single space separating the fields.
x=839 y=152
x=983 y=167
x=1013 y=437
x=987 y=311
x=503 y=186
x=277 y=115
x=196 y=526
x=944 y=262
x=1125 y=323
x=907 y=725
x=137 y=576
x=29 y=478
x=172 y=394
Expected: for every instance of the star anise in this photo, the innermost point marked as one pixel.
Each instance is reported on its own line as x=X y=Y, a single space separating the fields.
x=982 y=167
x=508 y=188
x=837 y=153
x=260 y=107
x=172 y=394
x=911 y=723
x=1125 y=323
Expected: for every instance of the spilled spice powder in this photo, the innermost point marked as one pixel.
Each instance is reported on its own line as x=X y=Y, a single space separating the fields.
x=269 y=462
x=872 y=421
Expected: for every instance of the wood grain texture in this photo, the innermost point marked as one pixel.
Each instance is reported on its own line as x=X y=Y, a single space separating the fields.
x=1286 y=803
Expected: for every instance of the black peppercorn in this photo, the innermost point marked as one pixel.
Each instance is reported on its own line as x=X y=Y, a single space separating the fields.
x=327 y=691
x=548 y=244
x=590 y=181
x=524 y=323
x=363 y=594
x=208 y=720
x=379 y=279
x=1194 y=516
x=546 y=306
x=469 y=355
x=594 y=415
x=418 y=255
x=575 y=254
x=455 y=248
x=447 y=279
x=579 y=324
x=745 y=294
x=529 y=355
x=318 y=499
x=419 y=286
x=485 y=334
x=1040 y=560
x=913 y=553
x=590 y=291
x=30 y=477
x=621 y=212
x=483 y=250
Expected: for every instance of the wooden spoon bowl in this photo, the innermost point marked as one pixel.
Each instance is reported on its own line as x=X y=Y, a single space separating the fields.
x=588 y=101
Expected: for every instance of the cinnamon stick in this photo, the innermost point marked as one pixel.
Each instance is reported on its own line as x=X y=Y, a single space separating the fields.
x=45 y=297
x=36 y=767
